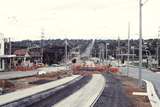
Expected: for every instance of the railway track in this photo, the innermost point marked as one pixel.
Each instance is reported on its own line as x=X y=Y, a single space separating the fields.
x=61 y=94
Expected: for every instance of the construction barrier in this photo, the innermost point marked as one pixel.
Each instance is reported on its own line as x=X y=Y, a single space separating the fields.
x=114 y=69
x=86 y=69
x=22 y=68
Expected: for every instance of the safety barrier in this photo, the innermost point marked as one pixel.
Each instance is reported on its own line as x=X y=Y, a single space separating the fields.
x=152 y=95
x=82 y=69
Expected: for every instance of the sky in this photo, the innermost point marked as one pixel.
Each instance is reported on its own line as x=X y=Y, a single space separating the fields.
x=77 y=19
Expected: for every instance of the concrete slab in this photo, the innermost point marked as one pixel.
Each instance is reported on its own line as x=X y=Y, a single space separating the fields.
x=17 y=95
x=15 y=74
x=140 y=93
x=86 y=95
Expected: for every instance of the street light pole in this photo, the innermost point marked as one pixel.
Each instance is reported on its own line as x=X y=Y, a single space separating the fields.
x=118 y=50
x=128 y=49
x=158 y=48
x=140 y=42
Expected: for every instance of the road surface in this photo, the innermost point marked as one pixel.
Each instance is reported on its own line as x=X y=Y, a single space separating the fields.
x=88 y=50
x=113 y=94
x=146 y=74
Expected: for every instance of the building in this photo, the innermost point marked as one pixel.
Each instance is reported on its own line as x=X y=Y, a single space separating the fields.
x=1 y=53
x=22 y=57
x=5 y=60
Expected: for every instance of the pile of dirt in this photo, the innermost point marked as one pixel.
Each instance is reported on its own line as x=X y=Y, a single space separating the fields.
x=6 y=84
x=56 y=75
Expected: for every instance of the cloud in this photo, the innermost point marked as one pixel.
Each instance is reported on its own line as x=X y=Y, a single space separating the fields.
x=23 y=19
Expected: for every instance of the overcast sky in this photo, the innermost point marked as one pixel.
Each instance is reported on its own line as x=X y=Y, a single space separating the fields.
x=85 y=19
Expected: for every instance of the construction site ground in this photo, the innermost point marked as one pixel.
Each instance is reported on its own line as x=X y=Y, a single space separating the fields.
x=26 y=82
x=117 y=92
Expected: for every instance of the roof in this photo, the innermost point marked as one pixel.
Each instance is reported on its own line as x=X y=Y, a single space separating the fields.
x=21 y=52
x=126 y=54
x=7 y=56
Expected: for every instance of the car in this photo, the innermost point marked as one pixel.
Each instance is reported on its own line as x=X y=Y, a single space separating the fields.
x=55 y=65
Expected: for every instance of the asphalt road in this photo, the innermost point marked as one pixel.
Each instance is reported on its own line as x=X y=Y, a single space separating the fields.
x=146 y=74
x=88 y=50
x=113 y=94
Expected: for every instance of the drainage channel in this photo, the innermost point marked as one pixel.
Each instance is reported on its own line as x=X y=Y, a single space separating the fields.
x=62 y=93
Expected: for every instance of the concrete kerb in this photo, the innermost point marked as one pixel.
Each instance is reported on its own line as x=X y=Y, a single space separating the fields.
x=152 y=95
x=26 y=101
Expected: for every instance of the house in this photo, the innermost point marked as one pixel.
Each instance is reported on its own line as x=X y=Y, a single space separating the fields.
x=27 y=59
x=22 y=57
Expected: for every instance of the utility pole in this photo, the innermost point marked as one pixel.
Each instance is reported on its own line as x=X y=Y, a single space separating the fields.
x=100 y=54
x=66 y=54
x=133 y=54
x=128 y=49
x=107 y=52
x=103 y=54
x=42 y=50
x=10 y=52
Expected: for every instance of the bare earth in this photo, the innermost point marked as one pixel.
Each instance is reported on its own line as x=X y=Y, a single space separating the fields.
x=26 y=82
x=130 y=86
